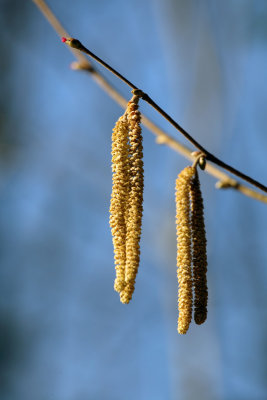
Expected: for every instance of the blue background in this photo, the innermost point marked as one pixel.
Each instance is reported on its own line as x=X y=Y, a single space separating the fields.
x=64 y=334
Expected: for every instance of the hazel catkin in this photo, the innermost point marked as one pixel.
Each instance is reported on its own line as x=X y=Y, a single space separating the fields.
x=126 y=205
x=199 y=252
x=119 y=197
x=135 y=199
x=183 y=229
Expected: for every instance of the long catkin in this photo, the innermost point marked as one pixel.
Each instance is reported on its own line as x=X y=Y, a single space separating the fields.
x=183 y=229
x=119 y=196
x=199 y=252
x=134 y=210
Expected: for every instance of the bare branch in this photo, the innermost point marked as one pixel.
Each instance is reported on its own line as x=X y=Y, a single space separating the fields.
x=225 y=181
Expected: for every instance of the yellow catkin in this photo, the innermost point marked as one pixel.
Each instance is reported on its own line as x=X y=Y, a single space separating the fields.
x=118 y=203
x=199 y=252
x=135 y=199
x=183 y=229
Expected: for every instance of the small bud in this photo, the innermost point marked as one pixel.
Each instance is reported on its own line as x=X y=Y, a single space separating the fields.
x=75 y=43
x=202 y=163
x=75 y=65
x=195 y=153
x=230 y=183
x=160 y=139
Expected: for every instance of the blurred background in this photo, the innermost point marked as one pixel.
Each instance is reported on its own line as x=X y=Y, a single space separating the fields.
x=64 y=335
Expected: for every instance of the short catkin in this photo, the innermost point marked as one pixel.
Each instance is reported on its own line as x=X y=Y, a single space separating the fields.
x=199 y=243
x=183 y=229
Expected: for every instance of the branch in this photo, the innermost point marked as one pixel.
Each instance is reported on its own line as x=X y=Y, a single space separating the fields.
x=225 y=181
x=76 y=44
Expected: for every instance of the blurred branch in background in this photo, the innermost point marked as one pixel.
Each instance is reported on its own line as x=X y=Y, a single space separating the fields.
x=225 y=181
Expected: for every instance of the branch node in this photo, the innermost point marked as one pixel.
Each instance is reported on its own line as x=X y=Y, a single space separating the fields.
x=161 y=139
x=137 y=95
x=75 y=43
x=200 y=159
x=137 y=92
x=227 y=184
x=75 y=65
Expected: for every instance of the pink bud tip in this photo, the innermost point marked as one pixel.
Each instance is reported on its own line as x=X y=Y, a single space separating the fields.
x=63 y=39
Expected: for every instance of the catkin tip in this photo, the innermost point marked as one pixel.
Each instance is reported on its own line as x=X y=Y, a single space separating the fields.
x=127 y=293
x=119 y=284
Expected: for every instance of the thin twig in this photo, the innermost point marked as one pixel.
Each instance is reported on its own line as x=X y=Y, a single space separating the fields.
x=75 y=43
x=225 y=181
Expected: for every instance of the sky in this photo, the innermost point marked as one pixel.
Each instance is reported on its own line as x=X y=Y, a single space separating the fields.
x=64 y=333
